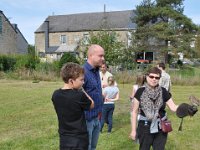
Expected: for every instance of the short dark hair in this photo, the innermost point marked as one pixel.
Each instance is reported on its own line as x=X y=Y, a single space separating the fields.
x=154 y=70
x=162 y=65
x=71 y=71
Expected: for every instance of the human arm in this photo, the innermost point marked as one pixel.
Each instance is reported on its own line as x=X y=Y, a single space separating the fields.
x=132 y=94
x=113 y=99
x=134 y=119
x=92 y=102
x=172 y=106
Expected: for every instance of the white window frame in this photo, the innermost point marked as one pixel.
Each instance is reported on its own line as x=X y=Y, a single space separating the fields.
x=63 y=39
x=86 y=38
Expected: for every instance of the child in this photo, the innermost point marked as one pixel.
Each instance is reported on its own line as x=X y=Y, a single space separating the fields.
x=140 y=79
x=111 y=94
x=69 y=103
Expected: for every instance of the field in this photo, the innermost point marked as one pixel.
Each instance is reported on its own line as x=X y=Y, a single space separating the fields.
x=28 y=120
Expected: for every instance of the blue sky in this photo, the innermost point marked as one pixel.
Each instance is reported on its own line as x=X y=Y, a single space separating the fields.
x=30 y=14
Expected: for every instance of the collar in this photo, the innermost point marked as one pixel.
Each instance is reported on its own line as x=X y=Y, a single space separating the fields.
x=91 y=68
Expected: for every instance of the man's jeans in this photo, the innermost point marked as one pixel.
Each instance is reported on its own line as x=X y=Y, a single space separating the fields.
x=93 y=128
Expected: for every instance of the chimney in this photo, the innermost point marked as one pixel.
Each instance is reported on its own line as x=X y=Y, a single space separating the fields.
x=46 y=32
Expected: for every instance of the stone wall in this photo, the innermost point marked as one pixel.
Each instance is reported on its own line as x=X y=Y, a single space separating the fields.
x=72 y=38
x=11 y=39
x=8 y=37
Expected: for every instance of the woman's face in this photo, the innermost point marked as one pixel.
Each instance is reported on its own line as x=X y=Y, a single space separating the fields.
x=153 y=79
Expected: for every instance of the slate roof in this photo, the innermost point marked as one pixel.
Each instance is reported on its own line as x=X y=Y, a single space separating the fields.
x=90 y=21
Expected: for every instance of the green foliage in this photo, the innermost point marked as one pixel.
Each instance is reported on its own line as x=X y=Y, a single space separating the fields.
x=47 y=68
x=7 y=63
x=160 y=22
x=32 y=59
x=179 y=63
x=115 y=51
x=197 y=47
x=28 y=61
x=67 y=57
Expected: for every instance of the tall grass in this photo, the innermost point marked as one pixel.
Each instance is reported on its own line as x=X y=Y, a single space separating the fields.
x=185 y=76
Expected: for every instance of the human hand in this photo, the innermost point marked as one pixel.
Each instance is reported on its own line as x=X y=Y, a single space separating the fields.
x=108 y=100
x=133 y=135
x=104 y=85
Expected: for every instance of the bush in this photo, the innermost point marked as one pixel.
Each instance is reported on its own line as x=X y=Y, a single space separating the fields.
x=67 y=57
x=7 y=63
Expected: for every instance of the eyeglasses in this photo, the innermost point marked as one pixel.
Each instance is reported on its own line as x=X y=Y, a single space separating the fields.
x=153 y=77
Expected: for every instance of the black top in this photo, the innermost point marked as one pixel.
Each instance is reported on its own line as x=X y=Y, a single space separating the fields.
x=70 y=105
x=165 y=94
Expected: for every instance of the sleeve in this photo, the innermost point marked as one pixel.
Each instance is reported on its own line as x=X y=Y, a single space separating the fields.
x=85 y=102
x=117 y=89
x=139 y=93
x=166 y=95
x=105 y=91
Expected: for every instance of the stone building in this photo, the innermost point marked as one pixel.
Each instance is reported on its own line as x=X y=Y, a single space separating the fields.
x=12 y=40
x=61 y=33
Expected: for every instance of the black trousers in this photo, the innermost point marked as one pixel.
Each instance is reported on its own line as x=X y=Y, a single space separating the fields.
x=147 y=139
x=75 y=142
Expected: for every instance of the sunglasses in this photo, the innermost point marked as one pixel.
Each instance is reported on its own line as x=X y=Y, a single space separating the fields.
x=152 y=77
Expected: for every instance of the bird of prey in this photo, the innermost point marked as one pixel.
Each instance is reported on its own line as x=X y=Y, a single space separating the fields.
x=194 y=101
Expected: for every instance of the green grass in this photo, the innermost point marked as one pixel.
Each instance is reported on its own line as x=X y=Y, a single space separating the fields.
x=28 y=120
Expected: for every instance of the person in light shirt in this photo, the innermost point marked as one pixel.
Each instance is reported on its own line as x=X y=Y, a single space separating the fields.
x=111 y=94
x=165 y=80
x=104 y=74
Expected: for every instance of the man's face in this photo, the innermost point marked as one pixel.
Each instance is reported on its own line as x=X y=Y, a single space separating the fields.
x=98 y=57
x=103 y=68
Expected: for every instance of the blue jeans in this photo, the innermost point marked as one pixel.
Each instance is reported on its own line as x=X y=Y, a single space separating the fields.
x=93 y=128
x=107 y=113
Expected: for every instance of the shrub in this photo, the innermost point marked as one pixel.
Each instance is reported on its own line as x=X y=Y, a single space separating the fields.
x=67 y=57
x=7 y=63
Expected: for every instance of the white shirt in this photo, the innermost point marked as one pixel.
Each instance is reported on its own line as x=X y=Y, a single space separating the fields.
x=165 y=81
x=104 y=78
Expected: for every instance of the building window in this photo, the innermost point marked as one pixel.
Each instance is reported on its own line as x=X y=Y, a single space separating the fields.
x=63 y=39
x=86 y=38
x=76 y=38
x=129 y=39
x=1 y=24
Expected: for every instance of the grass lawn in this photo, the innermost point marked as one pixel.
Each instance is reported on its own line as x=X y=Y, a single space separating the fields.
x=28 y=120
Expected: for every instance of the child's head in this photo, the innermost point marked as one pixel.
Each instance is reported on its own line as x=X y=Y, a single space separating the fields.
x=140 y=79
x=111 y=81
x=71 y=71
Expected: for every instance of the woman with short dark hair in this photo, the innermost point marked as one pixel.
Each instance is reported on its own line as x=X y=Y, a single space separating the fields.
x=151 y=99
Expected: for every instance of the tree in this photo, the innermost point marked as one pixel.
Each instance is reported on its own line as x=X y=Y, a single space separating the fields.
x=197 y=44
x=32 y=58
x=115 y=50
x=162 y=26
